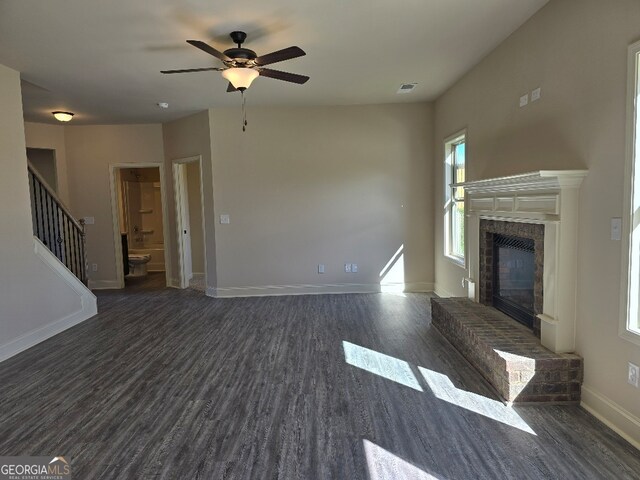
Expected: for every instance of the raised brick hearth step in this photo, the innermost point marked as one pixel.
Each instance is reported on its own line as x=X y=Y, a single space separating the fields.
x=508 y=355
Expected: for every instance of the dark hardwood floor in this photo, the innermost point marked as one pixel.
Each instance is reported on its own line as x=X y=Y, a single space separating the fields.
x=172 y=384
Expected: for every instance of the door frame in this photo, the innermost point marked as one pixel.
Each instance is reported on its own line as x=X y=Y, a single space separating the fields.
x=178 y=163
x=114 y=168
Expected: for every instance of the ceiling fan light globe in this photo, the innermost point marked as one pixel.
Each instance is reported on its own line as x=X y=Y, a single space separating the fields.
x=240 y=77
x=62 y=116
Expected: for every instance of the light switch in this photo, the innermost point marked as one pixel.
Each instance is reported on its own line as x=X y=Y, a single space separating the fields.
x=320 y=268
x=89 y=220
x=616 y=228
x=225 y=219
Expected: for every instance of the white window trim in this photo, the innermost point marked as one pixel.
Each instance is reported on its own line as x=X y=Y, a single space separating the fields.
x=448 y=142
x=630 y=282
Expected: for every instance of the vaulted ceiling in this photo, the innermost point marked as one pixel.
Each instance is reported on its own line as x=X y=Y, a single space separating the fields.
x=102 y=59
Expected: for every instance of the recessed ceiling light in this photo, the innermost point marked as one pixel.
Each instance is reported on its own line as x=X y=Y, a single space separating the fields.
x=163 y=104
x=406 y=87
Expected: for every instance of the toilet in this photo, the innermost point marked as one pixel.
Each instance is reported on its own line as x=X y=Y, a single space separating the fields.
x=138 y=265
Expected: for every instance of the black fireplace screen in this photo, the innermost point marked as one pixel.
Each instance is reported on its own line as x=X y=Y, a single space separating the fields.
x=514 y=277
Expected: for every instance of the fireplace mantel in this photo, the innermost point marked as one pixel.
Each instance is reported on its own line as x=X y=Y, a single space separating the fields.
x=550 y=198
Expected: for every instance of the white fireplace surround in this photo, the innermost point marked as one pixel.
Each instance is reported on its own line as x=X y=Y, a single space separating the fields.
x=550 y=198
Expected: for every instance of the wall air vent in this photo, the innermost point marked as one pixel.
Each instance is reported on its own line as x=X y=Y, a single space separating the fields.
x=406 y=87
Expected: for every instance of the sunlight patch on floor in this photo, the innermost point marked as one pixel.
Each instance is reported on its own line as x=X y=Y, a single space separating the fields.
x=445 y=390
x=384 y=465
x=382 y=365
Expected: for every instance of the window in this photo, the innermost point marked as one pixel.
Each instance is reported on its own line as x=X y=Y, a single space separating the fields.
x=455 y=152
x=630 y=288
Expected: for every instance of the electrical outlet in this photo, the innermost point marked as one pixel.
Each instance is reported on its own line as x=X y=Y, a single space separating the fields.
x=225 y=219
x=536 y=94
x=347 y=268
x=320 y=268
x=524 y=100
x=94 y=267
x=634 y=375
x=354 y=268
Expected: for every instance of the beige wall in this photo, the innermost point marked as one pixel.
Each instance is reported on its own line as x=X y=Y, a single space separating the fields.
x=91 y=150
x=33 y=297
x=43 y=162
x=195 y=217
x=183 y=138
x=576 y=51
x=42 y=135
x=329 y=185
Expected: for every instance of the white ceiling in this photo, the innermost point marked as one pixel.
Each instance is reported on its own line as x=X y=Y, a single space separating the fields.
x=101 y=58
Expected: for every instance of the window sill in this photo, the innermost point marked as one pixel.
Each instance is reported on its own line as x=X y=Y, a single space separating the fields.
x=460 y=262
x=630 y=336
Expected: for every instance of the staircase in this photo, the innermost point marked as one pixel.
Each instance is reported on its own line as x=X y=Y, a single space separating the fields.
x=56 y=228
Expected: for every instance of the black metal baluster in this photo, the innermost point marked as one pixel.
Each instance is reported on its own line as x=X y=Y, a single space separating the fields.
x=77 y=240
x=76 y=252
x=74 y=255
x=83 y=266
x=35 y=205
x=59 y=235
x=65 y=243
x=49 y=223
x=41 y=206
x=54 y=224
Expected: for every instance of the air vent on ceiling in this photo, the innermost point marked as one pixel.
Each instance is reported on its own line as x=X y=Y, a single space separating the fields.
x=406 y=87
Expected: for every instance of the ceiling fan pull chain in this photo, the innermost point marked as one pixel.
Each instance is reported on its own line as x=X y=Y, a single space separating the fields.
x=244 y=112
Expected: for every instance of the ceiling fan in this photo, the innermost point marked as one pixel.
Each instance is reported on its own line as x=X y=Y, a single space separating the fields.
x=242 y=65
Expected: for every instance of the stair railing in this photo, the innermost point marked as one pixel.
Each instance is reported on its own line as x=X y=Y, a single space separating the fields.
x=54 y=225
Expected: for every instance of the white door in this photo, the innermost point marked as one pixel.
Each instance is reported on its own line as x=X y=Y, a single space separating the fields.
x=185 y=231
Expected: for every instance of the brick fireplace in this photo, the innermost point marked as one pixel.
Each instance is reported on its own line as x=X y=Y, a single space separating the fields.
x=522 y=234
x=542 y=206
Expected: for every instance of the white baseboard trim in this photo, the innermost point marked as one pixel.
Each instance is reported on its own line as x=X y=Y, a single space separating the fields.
x=275 y=290
x=34 y=337
x=621 y=421
x=419 y=287
x=338 y=288
x=173 y=283
x=211 y=292
x=88 y=307
x=104 y=284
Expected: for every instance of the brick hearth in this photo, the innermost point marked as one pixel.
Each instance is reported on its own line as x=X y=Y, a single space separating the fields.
x=507 y=354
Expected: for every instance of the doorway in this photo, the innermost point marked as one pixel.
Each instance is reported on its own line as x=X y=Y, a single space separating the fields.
x=140 y=226
x=187 y=175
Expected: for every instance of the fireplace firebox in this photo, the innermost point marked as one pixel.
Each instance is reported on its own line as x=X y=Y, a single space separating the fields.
x=511 y=269
x=514 y=277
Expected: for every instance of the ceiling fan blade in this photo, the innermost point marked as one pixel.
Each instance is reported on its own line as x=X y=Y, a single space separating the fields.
x=286 y=76
x=209 y=49
x=231 y=88
x=187 y=70
x=279 y=56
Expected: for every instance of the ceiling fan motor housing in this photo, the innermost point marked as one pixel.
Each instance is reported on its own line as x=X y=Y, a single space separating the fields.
x=240 y=54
